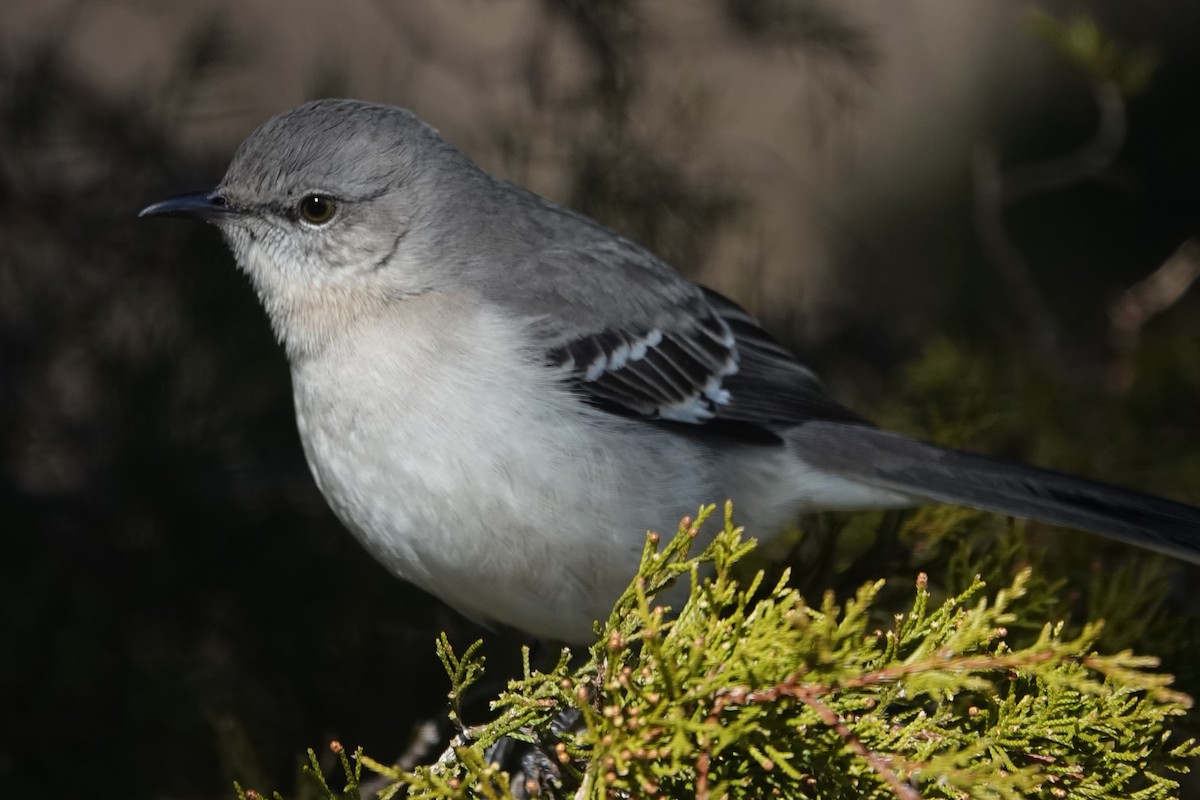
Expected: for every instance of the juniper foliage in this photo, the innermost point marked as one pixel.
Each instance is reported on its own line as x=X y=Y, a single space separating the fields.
x=749 y=691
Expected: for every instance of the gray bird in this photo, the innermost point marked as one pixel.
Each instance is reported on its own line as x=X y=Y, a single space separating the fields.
x=499 y=396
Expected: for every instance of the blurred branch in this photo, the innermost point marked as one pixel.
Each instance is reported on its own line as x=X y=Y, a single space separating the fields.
x=611 y=35
x=1089 y=161
x=840 y=53
x=1138 y=304
x=1081 y=41
x=1010 y=263
x=814 y=26
x=1115 y=71
x=996 y=191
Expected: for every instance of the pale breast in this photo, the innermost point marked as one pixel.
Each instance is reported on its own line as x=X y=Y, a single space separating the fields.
x=468 y=469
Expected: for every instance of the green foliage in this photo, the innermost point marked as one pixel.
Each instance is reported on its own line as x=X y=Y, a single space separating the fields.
x=319 y=786
x=996 y=402
x=749 y=691
x=1085 y=44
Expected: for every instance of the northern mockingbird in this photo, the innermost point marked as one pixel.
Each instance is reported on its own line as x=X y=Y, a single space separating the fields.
x=499 y=396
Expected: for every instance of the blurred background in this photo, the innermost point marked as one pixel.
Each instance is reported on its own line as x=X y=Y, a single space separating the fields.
x=977 y=220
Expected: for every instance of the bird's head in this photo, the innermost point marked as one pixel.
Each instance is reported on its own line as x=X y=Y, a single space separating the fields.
x=331 y=209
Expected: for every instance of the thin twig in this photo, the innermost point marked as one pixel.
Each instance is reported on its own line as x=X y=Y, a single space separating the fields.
x=810 y=695
x=877 y=762
x=1138 y=304
x=996 y=191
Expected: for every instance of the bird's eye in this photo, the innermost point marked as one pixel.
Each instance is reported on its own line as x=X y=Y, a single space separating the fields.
x=317 y=209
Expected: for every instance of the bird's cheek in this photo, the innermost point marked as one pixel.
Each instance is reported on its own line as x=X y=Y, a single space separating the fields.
x=337 y=254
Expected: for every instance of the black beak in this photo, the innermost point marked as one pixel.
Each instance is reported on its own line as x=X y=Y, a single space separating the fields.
x=207 y=206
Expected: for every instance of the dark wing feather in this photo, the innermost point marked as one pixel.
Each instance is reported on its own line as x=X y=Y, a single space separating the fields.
x=636 y=338
x=713 y=369
x=770 y=386
x=673 y=374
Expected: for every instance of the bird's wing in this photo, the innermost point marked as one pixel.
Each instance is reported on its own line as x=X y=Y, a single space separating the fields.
x=636 y=338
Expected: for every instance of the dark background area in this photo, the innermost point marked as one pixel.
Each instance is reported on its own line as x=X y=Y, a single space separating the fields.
x=178 y=607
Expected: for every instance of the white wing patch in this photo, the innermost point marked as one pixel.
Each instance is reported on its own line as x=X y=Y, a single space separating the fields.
x=650 y=340
x=671 y=375
x=622 y=355
x=699 y=407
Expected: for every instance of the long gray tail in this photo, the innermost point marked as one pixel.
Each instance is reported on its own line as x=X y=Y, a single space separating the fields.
x=890 y=461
